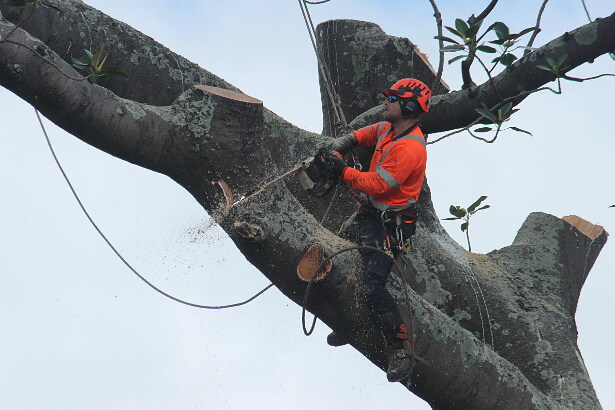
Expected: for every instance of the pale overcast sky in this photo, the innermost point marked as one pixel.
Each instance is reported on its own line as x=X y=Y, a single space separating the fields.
x=79 y=331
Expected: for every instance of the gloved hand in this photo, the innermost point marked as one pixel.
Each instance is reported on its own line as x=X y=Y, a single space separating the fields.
x=331 y=160
x=343 y=144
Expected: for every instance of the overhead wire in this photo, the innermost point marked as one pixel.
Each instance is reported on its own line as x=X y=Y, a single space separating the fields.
x=119 y=255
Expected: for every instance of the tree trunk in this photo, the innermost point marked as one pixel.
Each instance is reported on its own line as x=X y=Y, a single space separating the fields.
x=492 y=331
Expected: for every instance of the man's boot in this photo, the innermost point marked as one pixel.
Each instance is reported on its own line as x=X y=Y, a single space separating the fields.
x=398 y=352
x=335 y=339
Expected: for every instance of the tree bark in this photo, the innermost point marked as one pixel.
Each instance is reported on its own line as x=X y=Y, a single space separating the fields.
x=492 y=331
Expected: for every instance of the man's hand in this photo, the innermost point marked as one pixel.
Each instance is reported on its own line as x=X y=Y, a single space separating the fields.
x=343 y=144
x=331 y=160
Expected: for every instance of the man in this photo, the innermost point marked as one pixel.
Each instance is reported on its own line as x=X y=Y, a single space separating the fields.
x=387 y=219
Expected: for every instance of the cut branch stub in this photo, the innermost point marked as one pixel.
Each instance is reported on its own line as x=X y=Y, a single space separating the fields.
x=220 y=127
x=232 y=95
x=585 y=227
x=310 y=261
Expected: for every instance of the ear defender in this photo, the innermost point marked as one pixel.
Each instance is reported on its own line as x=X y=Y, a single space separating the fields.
x=410 y=107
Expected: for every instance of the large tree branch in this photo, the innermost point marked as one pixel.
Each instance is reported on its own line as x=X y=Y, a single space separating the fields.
x=272 y=229
x=144 y=60
x=115 y=125
x=457 y=109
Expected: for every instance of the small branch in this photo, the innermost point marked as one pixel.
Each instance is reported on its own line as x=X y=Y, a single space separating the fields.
x=499 y=104
x=468 y=238
x=467 y=63
x=438 y=16
x=465 y=72
x=485 y=12
x=535 y=33
x=580 y=80
x=490 y=77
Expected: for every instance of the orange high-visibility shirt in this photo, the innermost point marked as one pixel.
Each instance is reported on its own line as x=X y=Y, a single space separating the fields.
x=397 y=169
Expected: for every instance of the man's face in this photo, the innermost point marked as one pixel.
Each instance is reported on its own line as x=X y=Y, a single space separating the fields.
x=392 y=110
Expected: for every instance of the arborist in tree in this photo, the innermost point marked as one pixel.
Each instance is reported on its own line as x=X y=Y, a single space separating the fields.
x=387 y=217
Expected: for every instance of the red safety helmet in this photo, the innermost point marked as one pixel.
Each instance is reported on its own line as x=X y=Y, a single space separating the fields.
x=409 y=88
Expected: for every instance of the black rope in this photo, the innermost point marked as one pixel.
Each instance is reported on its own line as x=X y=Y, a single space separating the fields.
x=322 y=65
x=117 y=252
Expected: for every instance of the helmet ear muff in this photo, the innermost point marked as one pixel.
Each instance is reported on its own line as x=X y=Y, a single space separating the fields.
x=410 y=107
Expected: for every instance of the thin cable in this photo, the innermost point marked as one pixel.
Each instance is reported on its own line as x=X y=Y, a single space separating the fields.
x=586 y=11
x=612 y=53
x=163 y=293
x=322 y=65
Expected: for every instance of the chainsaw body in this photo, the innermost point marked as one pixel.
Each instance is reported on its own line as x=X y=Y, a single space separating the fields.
x=315 y=179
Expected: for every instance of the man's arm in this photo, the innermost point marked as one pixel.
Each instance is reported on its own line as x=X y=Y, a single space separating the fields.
x=369 y=183
x=390 y=174
x=363 y=136
x=343 y=144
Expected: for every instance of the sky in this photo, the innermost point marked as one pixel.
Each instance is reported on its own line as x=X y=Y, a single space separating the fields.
x=80 y=331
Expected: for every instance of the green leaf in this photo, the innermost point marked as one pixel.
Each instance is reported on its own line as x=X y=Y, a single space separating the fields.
x=459 y=57
x=455 y=32
x=542 y=67
x=462 y=27
x=521 y=130
x=507 y=59
x=97 y=55
x=79 y=63
x=501 y=30
x=476 y=203
x=88 y=54
x=450 y=219
x=457 y=211
x=483 y=207
x=444 y=38
x=112 y=70
x=487 y=114
x=552 y=63
x=486 y=49
x=503 y=111
x=453 y=47
x=524 y=32
x=561 y=59
x=499 y=42
x=464 y=226
x=483 y=129
x=612 y=206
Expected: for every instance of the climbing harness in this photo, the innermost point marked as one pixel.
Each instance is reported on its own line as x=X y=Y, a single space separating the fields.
x=119 y=255
x=397 y=238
